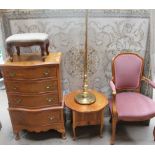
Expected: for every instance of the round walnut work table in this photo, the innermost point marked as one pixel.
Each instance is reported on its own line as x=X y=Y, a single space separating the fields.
x=92 y=114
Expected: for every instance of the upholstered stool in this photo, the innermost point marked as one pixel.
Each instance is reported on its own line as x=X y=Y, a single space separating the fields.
x=27 y=39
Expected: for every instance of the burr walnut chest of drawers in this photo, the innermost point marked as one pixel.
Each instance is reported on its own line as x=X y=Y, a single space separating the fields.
x=34 y=93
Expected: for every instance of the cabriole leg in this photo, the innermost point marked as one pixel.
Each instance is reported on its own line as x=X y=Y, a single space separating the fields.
x=17 y=137
x=63 y=135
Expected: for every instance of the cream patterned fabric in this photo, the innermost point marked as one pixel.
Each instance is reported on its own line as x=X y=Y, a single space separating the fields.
x=109 y=32
x=27 y=37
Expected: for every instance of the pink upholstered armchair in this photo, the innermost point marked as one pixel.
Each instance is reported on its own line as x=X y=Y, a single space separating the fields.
x=127 y=103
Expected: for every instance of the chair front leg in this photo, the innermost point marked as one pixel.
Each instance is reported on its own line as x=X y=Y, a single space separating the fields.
x=114 y=124
x=114 y=120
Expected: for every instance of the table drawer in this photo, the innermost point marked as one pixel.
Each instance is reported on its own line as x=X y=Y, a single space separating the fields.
x=39 y=118
x=88 y=117
x=30 y=72
x=31 y=86
x=34 y=101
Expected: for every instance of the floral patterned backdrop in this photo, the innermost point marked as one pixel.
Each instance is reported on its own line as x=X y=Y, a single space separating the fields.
x=109 y=33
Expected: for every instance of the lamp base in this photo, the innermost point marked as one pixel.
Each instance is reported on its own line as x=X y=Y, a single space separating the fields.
x=85 y=98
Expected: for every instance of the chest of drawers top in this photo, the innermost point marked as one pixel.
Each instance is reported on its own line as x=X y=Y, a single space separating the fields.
x=29 y=60
x=31 y=67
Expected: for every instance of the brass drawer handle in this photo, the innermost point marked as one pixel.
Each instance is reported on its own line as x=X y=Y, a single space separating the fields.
x=49 y=99
x=51 y=118
x=12 y=74
x=48 y=87
x=18 y=101
x=46 y=73
x=14 y=88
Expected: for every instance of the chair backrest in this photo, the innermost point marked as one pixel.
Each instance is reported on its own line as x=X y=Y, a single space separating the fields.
x=127 y=70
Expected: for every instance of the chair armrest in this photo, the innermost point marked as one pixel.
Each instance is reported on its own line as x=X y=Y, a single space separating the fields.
x=112 y=85
x=114 y=110
x=151 y=83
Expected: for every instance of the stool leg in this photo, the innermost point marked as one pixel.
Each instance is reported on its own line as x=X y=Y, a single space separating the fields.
x=47 y=45
x=18 y=50
x=10 y=52
x=42 y=51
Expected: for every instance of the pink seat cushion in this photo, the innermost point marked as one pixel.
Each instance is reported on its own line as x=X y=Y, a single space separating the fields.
x=133 y=106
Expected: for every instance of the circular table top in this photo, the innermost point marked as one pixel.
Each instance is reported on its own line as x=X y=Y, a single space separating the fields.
x=99 y=104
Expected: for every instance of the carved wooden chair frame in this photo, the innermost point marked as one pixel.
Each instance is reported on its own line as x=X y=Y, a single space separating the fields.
x=114 y=113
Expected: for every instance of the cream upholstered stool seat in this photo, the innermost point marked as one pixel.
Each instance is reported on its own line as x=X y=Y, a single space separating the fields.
x=27 y=39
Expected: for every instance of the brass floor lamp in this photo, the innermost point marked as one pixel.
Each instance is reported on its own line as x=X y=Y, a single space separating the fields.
x=85 y=97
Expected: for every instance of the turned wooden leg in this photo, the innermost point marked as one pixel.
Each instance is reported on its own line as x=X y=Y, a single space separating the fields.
x=154 y=133
x=114 y=123
x=63 y=135
x=10 y=52
x=17 y=137
x=42 y=51
x=18 y=50
x=102 y=123
x=47 y=45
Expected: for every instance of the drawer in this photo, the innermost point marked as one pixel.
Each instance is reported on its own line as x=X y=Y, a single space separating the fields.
x=88 y=117
x=39 y=118
x=31 y=86
x=30 y=72
x=33 y=101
